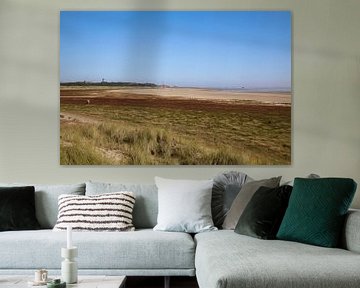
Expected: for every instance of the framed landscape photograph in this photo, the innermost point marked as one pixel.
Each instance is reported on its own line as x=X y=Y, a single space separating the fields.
x=175 y=87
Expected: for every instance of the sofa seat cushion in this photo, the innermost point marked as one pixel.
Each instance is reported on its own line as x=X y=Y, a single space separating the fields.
x=142 y=249
x=226 y=259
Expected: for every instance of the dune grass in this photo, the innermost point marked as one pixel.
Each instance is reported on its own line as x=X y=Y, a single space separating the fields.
x=148 y=136
x=108 y=144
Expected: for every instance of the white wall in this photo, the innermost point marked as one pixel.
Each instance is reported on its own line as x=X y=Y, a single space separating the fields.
x=326 y=91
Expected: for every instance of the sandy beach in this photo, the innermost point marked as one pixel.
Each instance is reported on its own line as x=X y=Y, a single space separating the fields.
x=269 y=98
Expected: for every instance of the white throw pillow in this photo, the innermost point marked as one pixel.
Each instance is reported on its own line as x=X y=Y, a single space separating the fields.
x=184 y=205
x=105 y=212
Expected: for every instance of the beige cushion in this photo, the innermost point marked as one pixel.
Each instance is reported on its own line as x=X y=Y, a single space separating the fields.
x=243 y=198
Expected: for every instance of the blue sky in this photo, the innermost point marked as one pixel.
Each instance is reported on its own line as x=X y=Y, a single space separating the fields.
x=222 y=49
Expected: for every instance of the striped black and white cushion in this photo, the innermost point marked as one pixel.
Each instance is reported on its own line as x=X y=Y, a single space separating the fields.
x=105 y=212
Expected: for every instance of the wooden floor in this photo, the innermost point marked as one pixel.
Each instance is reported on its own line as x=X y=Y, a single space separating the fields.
x=158 y=282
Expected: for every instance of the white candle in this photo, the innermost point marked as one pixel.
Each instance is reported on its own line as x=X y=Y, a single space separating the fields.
x=69 y=237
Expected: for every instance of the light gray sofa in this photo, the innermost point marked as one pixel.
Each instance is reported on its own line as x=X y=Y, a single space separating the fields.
x=220 y=259
x=226 y=259
x=143 y=252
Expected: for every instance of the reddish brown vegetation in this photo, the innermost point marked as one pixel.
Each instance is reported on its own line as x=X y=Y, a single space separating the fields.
x=146 y=100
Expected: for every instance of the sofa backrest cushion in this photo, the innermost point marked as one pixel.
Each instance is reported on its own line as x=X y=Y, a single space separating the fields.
x=350 y=238
x=46 y=200
x=146 y=204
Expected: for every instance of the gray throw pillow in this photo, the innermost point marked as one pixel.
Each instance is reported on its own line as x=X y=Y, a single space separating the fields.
x=242 y=199
x=226 y=187
x=184 y=205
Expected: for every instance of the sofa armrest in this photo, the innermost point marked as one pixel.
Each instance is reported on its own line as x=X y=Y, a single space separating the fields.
x=351 y=233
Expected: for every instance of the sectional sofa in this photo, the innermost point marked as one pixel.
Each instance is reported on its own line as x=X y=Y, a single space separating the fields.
x=219 y=259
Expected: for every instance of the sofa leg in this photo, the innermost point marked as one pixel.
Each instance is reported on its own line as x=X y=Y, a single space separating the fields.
x=167 y=282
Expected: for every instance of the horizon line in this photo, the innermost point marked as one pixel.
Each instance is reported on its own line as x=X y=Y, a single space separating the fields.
x=151 y=84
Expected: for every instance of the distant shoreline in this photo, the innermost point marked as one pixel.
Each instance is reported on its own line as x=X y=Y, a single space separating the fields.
x=153 y=85
x=230 y=96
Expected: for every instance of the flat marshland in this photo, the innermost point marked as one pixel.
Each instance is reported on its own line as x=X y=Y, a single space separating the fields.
x=106 y=125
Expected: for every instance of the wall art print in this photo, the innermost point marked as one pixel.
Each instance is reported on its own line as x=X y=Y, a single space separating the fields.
x=175 y=87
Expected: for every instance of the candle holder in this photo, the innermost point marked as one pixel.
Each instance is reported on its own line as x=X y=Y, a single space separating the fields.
x=69 y=271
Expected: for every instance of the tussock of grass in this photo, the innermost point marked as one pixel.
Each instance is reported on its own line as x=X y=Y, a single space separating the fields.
x=85 y=143
x=81 y=155
x=225 y=157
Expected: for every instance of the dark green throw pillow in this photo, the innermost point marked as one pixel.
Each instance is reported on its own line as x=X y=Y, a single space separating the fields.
x=263 y=214
x=17 y=208
x=316 y=211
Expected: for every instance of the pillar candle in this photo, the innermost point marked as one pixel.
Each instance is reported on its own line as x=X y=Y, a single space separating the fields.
x=69 y=237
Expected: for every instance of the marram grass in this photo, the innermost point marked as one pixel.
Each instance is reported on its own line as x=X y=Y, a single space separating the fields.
x=112 y=143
